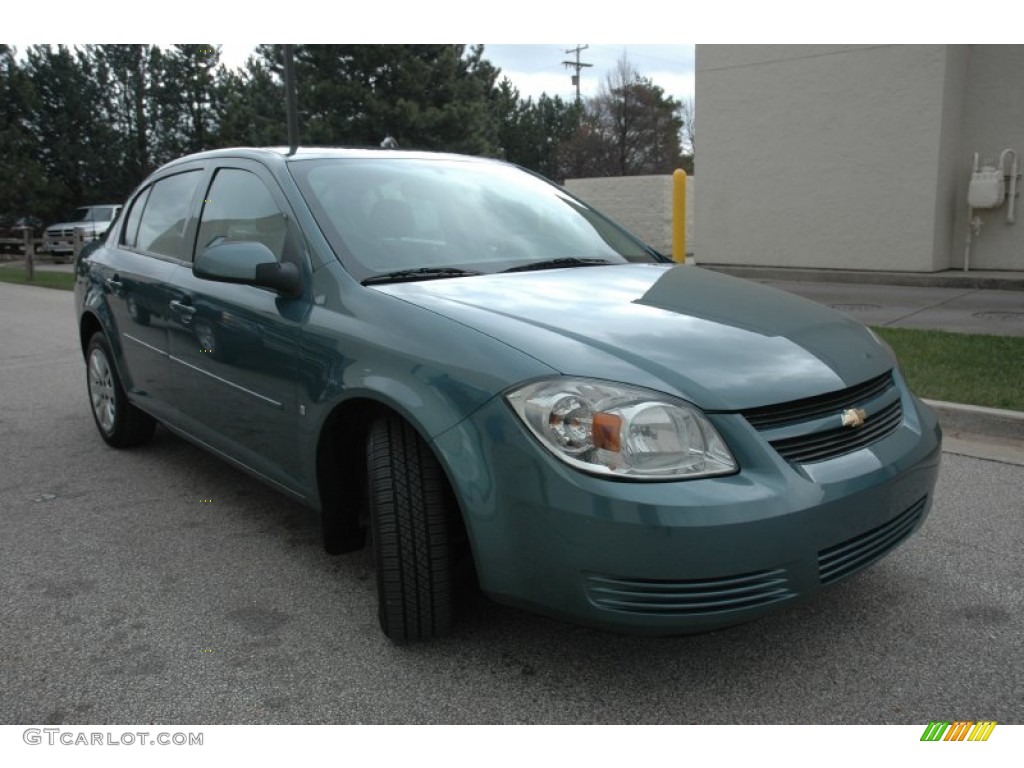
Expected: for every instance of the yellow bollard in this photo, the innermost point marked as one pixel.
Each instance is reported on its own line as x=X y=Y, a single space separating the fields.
x=679 y=215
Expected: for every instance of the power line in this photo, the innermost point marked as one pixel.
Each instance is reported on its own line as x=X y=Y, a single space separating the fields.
x=577 y=65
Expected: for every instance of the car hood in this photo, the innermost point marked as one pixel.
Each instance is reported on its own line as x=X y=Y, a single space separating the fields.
x=721 y=342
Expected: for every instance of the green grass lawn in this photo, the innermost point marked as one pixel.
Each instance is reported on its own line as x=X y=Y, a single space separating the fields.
x=961 y=368
x=43 y=278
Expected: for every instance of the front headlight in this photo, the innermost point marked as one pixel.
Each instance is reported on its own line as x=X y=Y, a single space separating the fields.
x=621 y=431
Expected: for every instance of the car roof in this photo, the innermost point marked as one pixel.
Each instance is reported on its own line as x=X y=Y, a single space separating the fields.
x=277 y=155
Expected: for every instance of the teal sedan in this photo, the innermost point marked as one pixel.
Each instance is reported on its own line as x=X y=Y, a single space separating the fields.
x=477 y=375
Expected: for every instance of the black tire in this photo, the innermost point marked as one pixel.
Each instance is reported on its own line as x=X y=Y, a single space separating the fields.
x=120 y=423
x=412 y=514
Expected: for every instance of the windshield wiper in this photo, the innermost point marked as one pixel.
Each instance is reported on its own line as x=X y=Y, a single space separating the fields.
x=424 y=273
x=570 y=261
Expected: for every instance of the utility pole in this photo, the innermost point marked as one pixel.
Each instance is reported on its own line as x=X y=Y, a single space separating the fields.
x=577 y=65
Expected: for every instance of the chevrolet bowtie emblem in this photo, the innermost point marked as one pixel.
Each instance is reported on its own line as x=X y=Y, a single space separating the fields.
x=854 y=417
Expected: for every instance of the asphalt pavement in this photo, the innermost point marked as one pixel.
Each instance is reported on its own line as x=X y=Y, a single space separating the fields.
x=130 y=597
x=960 y=310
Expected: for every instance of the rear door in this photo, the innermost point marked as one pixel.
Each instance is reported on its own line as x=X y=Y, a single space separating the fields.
x=135 y=269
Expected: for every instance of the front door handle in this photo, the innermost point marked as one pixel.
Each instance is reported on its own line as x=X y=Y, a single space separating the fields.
x=184 y=311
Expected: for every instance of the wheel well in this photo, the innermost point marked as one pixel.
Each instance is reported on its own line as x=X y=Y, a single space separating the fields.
x=341 y=474
x=88 y=326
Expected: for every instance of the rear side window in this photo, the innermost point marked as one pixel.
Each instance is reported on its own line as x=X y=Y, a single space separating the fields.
x=131 y=227
x=161 y=227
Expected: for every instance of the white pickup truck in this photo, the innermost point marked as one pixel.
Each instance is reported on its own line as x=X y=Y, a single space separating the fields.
x=93 y=220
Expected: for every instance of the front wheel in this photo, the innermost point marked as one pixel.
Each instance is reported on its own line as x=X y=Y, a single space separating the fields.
x=412 y=515
x=120 y=423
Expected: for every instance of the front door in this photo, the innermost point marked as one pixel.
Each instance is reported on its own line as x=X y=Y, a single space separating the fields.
x=235 y=348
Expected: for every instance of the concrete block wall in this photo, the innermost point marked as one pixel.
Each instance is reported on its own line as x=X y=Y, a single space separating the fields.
x=821 y=156
x=641 y=204
x=854 y=156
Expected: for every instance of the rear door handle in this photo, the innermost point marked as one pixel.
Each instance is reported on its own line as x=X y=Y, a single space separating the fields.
x=115 y=285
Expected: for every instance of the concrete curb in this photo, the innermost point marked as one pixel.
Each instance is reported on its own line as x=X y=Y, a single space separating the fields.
x=1007 y=281
x=977 y=420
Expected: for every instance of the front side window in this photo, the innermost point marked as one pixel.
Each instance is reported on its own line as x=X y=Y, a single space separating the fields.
x=239 y=207
x=163 y=221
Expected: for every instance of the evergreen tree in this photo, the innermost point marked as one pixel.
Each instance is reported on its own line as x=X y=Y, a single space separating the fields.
x=131 y=74
x=425 y=96
x=24 y=190
x=72 y=138
x=533 y=134
x=251 y=106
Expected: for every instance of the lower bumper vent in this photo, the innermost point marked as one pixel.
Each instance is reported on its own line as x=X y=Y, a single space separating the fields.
x=689 y=597
x=850 y=556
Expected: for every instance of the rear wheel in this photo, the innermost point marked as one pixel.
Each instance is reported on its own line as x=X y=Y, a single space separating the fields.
x=412 y=515
x=120 y=423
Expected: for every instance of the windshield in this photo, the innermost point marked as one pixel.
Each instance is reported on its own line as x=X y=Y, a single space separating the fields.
x=88 y=213
x=397 y=213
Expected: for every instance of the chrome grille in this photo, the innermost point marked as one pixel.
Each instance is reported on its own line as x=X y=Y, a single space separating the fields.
x=692 y=596
x=850 y=556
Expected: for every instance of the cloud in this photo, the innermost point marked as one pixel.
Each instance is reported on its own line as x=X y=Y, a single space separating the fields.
x=539 y=68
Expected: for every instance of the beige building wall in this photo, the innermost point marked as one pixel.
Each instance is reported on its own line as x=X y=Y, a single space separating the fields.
x=641 y=204
x=993 y=121
x=853 y=157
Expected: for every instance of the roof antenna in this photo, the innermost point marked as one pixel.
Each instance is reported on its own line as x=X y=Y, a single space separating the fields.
x=291 y=99
x=389 y=142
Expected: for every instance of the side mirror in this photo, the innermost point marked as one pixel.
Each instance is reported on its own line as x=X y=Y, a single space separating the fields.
x=249 y=263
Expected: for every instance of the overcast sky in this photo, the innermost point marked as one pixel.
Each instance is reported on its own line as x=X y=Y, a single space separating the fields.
x=538 y=68
x=521 y=29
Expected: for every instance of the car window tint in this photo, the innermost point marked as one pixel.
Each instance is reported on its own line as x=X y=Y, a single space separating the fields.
x=131 y=228
x=239 y=207
x=162 y=227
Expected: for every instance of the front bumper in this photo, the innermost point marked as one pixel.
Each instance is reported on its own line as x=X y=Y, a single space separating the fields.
x=57 y=245
x=63 y=242
x=688 y=556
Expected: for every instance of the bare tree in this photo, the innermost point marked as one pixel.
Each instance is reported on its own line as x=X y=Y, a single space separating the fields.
x=631 y=127
x=689 y=132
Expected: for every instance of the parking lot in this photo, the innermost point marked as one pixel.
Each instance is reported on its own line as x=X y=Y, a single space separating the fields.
x=162 y=586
